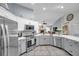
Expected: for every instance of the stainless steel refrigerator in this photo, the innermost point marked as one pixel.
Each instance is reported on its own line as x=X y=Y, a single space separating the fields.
x=8 y=37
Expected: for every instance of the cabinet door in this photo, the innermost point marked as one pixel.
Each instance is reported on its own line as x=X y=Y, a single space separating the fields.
x=63 y=42
x=23 y=46
x=41 y=40
x=66 y=45
x=19 y=47
x=46 y=40
x=75 y=47
x=58 y=42
x=75 y=44
x=54 y=38
x=51 y=40
x=37 y=40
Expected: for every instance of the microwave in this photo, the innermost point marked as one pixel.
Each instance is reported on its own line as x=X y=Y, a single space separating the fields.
x=29 y=27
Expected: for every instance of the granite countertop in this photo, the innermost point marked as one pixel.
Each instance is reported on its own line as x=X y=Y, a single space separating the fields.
x=76 y=38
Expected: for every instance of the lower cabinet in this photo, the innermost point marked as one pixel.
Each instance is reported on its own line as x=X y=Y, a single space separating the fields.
x=37 y=40
x=58 y=42
x=67 y=45
x=62 y=43
x=22 y=46
x=44 y=40
x=75 y=48
x=51 y=40
x=71 y=46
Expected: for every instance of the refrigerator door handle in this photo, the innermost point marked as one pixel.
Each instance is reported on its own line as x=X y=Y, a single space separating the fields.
x=7 y=34
x=4 y=40
x=1 y=41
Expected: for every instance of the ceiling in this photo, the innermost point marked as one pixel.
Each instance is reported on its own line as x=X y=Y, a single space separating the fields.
x=49 y=12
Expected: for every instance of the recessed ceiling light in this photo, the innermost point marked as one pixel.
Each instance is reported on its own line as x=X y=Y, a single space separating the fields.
x=32 y=3
x=62 y=7
x=58 y=6
x=44 y=9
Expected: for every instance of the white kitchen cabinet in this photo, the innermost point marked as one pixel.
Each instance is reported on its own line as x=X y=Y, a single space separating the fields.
x=67 y=45
x=41 y=40
x=58 y=42
x=44 y=40
x=37 y=40
x=33 y=40
x=19 y=47
x=75 y=47
x=51 y=40
x=22 y=46
x=62 y=43
x=31 y=44
x=71 y=46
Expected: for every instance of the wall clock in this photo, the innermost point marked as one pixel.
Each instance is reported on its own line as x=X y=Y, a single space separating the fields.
x=70 y=17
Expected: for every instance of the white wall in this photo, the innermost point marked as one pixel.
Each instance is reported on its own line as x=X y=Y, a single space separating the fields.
x=21 y=22
x=73 y=25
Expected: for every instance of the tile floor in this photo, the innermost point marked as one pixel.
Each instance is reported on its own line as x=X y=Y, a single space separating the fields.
x=46 y=51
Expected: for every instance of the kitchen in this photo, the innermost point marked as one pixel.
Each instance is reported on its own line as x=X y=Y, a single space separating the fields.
x=39 y=29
